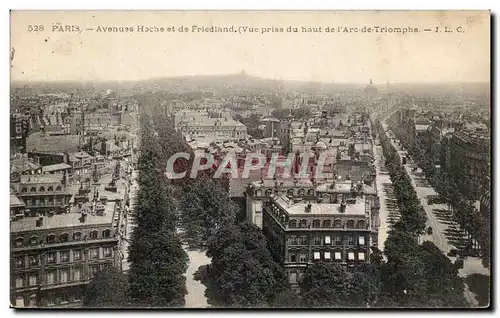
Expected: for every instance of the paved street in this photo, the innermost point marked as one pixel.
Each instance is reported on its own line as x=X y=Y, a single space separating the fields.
x=389 y=212
x=129 y=223
x=196 y=290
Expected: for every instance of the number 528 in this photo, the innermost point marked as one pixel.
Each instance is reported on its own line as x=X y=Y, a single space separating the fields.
x=35 y=28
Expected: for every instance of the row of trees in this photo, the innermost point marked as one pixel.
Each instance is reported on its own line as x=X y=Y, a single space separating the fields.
x=413 y=216
x=456 y=188
x=414 y=275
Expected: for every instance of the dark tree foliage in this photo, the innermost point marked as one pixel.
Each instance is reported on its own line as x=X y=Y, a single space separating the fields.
x=331 y=285
x=108 y=289
x=156 y=275
x=205 y=207
x=243 y=270
x=158 y=261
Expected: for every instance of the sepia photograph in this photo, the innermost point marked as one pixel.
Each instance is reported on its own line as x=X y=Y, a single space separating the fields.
x=250 y=159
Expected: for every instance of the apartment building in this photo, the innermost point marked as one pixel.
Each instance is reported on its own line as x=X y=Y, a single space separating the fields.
x=301 y=232
x=54 y=257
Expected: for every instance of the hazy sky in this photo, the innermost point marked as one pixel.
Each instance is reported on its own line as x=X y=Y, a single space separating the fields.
x=338 y=57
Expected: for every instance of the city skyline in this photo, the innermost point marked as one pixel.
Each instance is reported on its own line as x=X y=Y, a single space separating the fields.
x=319 y=57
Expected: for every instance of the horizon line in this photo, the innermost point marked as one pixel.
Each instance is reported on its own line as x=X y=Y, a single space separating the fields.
x=332 y=82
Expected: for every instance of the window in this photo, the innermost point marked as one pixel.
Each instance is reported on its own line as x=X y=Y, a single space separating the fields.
x=19 y=282
x=303 y=258
x=269 y=192
x=350 y=240
x=350 y=223
x=64 y=298
x=77 y=255
x=51 y=257
x=77 y=296
x=350 y=256
x=304 y=240
x=63 y=237
x=19 y=241
x=338 y=240
x=51 y=239
x=107 y=251
x=301 y=192
x=19 y=262
x=64 y=256
x=33 y=260
x=327 y=223
x=24 y=189
x=361 y=240
x=64 y=275
x=338 y=223
x=51 y=277
x=292 y=224
x=33 y=301
x=94 y=253
x=77 y=273
x=316 y=223
x=293 y=278
x=33 y=189
x=19 y=302
x=294 y=240
x=42 y=189
x=106 y=233
x=51 y=188
x=33 y=279
x=327 y=255
x=34 y=240
x=317 y=240
x=258 y=193
x=361 y=224
x=258 y=207
x=303 y=223
x=293 y=258
x=93 y=234
x=338 y=256
x=317 y=255
x=328 y=240
x=361 y=256
x=58 y=188
x=290 y=192
x=93 y=269
x=77 y=236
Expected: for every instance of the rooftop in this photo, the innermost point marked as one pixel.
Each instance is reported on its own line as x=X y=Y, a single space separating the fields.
x=357 y=208
x=286 y=183
x=65 y=220
x=51 y=144
x=15 y=202
x=23 y=164
x=40 y=178
x=56 y=167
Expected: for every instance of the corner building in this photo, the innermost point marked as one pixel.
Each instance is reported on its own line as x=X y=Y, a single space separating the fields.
x=301 y=233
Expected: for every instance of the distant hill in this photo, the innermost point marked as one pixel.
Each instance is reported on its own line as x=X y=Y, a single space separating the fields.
x=249 y=82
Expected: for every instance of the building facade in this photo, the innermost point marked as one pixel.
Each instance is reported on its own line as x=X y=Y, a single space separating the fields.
x=53 y=258
x=302 y=232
